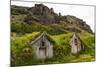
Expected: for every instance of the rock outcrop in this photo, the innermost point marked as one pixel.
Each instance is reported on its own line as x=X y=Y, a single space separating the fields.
x=42 y=13
x=46 y=16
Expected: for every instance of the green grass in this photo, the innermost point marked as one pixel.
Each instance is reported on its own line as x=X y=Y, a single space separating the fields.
x=62 y=49
x=18 y=45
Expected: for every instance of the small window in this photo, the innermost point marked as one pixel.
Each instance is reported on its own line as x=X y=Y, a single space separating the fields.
x=43 y=44
x=75 y=41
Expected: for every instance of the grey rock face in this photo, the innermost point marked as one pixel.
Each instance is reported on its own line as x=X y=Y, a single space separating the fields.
x=44 y=15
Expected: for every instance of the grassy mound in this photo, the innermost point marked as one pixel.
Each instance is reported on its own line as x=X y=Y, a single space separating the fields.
x=23 y=54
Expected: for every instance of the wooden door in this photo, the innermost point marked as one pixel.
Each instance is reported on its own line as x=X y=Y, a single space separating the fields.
x=42 y=53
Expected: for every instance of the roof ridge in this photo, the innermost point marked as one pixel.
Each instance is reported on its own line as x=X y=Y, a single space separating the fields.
x=39 y=36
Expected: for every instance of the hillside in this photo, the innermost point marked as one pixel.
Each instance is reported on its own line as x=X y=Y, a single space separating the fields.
x=45 y=19
x=28 y=23
x=61 y=49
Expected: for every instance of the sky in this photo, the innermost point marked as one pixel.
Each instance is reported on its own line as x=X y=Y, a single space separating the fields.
x=86 y=13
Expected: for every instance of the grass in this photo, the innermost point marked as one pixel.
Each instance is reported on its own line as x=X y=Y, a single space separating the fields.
x=62 y=53
x=62 y=38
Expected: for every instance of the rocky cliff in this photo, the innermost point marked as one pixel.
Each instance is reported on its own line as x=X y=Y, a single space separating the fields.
x=46 y=16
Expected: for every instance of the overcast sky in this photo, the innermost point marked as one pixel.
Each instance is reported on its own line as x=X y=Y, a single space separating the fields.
x=83 y=12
